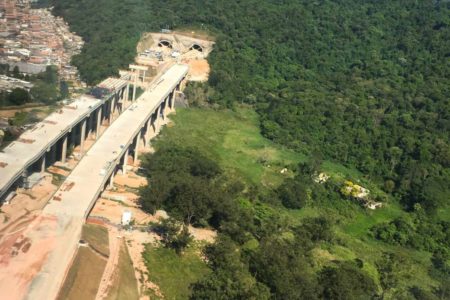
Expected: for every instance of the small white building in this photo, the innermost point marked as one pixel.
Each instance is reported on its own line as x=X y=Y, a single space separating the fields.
x=126 y=217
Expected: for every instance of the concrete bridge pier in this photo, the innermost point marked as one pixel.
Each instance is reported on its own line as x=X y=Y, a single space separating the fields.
x=82 y=136
x=112 y=103
x=136 y=148
x=64 y=148
x=111 y=179
x=167 y=109
x=90 y=126
x=134 y=88
x=148 y=131
x=119 y=102
x=172 y=100
x=50 y=156
x=161 y=114
x=99 y=123
x=72 y=137
x=125 y=97
x=43 y=165
x=157 y=119
x=125 y=162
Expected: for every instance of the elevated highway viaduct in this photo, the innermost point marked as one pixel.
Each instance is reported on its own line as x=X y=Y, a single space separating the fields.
x=52 y=139
x=55 y=234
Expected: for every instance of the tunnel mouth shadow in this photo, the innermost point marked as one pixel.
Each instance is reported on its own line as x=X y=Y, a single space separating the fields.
x=165 y=43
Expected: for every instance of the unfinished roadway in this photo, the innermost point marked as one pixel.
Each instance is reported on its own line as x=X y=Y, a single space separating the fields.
x=38 y=273
x=49 y=141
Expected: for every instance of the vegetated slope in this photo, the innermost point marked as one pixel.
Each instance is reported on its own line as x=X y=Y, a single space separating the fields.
x=366 y=83
x=331 y=248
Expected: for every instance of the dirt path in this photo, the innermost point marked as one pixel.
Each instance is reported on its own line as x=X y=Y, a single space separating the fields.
x=111 y=265
x=136 y=241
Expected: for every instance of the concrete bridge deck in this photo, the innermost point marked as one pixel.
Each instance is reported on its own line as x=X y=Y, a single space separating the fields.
x=58 y=229
x=33 y=143
x=79 y=118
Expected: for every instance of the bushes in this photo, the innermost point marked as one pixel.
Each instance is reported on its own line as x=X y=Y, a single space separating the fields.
x=173 y=234
x=19 y=96
x=188 y=185
x=293 y=194
x=415 y=232
x=346 y=281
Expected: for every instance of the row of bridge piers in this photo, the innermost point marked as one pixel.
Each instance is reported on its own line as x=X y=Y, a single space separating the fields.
x=150 y=128
x=90 y=127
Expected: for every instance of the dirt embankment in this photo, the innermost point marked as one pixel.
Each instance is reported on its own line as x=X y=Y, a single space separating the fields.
x=110 y=207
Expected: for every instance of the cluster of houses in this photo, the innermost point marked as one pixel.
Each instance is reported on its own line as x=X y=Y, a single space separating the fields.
x=32 y=39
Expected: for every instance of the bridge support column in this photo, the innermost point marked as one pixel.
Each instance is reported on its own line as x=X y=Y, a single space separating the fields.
x=53 y=154
x=99 y=123
x=72 y=132
x=136 y=148
x=147 y=133
x=111 y=110
x=64 y=149
x=134 y=84
x=43 y=161
x=172 y=100
x=111 y=180
x=83 y=135
x=126 y=95
x=90 y=125
x=166 y=107
x=125 y=162
x=156 y=121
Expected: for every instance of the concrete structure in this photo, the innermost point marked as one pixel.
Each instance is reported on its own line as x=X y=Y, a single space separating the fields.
x=136 y=69
x=66 y=213
x=182 y=43
x=49 y=140
x=126 y=217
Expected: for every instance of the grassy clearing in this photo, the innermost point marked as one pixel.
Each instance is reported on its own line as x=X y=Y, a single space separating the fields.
x=84 y=276
x=125 y=283
x=97 y=237
x=233 y=139
x=415 y=268
x=363 y=221
x=174 y=273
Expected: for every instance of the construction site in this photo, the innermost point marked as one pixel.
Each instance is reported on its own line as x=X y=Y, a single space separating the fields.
x=158 y=50
x=80 y=166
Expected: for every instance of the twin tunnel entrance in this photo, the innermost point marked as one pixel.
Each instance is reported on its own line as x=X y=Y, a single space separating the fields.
x=168 y=44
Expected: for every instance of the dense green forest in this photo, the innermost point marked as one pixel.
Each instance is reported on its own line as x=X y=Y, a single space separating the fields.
x=363 y=83
x=366 y=83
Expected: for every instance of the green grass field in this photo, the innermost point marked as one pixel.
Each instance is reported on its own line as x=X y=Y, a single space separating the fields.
x=234 y=140
x=97 y=237
x=84 y=276
x=86 y=271
x=174 y=273
x=125 y=283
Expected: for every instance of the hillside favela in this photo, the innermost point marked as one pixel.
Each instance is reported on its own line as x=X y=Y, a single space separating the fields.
x=251 y=149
